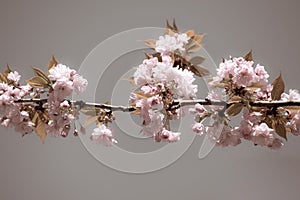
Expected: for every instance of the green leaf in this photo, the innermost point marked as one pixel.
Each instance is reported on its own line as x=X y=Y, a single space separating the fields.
x=278 y=88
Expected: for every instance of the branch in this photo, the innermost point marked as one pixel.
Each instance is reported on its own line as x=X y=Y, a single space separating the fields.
x=223 y=103
x=177 y=104
x=83 y=104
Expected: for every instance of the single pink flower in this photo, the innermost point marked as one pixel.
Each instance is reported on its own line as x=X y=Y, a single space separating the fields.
x=103 y=135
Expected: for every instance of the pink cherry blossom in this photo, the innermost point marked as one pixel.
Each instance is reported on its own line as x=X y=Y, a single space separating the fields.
x=154 y=125
x=294 y=124
x=292 y=96
x=261 y=73
x=263 y=135
x=198 y=108
x=166 y=44
x=151 y=62
x=252 y=117
x=277 y=144
x=169 y=136
x=246 y=129
x=147 y=89
x=103 y=135
x=79 y=83
x=60 y=72
x=244 y=76
x=264 y=93
x=226 y=69
x=229 y=137
x=14 y=76
x=198 y=128
x=62 y=89
x=142 y=75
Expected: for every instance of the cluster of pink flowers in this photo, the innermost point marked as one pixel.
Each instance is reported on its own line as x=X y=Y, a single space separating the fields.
x=14 y=114
x=252 y=129
x=160 y=83
x=167 y=43
x=152 y=73
x=61 y=112
x=235 y=74
x=56 y=113
x=239 y=79
x=223 y=135
x=294 y=123
x=241 y=72
x=66 y=81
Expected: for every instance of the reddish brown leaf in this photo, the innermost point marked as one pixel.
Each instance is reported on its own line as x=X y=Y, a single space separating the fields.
x=40 y=129
x=38 y=82
x=41 y=74
x=190 y=33
x=193 y=46
x=198 y=38
x=235 y=99
x=248 y=56
x=150 y=43
x=3 y=78
x=199 y=70
x=234 y=109
x=279 y=128
x=53 y=62
x=197 y=60
x=278 y=88
x=7 y=70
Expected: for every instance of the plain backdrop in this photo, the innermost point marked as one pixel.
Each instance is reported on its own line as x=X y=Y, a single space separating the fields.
x=31 y=31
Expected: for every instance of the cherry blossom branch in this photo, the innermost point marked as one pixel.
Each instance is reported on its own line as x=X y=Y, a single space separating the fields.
x=162 y=81
x=177 y=103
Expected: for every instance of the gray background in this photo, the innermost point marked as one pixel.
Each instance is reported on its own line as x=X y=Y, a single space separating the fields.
x=62 y=168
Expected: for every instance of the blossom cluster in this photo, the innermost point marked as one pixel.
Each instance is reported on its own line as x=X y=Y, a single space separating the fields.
x=12 y=113
x=47 y=110
x=242 y=83
x=167 y=44
x=61 y=112
x=159 y=82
